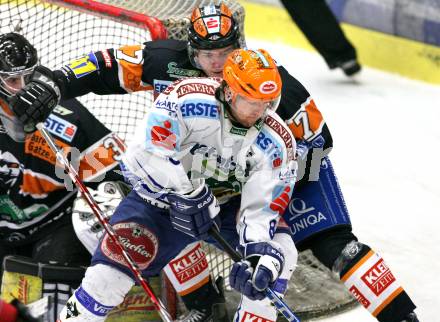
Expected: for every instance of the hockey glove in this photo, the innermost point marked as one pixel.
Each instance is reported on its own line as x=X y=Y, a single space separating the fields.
x=37 y=99
x=261 y=265
x=196 y=213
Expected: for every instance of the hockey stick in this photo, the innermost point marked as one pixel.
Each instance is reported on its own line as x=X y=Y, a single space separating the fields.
x=279 y=304
x=107 y=227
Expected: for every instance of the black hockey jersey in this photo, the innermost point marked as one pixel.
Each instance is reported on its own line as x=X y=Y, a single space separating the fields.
x=34 y=193
x=158 y=63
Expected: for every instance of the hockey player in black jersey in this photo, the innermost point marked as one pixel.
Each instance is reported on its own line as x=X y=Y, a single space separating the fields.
x=35 y=200
x=154 y=66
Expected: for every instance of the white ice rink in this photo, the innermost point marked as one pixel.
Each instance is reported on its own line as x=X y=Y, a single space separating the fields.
x=386 y=132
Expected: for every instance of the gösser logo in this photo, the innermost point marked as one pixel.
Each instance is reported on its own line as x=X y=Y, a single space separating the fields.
x=268 y=87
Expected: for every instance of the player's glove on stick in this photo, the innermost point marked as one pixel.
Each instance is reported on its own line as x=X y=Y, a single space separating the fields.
x=37 y=99
x=261 y=265
x=196 y=213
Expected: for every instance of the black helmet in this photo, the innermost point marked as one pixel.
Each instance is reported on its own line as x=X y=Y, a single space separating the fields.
x=18 y=58
x=212 y=27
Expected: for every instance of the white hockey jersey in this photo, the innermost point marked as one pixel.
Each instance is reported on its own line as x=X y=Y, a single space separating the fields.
x=187 y=140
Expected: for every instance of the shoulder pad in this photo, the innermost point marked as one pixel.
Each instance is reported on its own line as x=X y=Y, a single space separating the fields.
x=170 y=44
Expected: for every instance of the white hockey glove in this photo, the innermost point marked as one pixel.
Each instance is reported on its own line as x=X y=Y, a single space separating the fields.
x=86 y=225
x=261 y=265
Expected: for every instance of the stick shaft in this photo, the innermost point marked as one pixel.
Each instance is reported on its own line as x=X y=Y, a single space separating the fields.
x=101 y=218
x=278 y=302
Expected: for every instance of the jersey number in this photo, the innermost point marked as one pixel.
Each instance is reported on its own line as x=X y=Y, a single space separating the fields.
x=137 y=59
x=302 y=118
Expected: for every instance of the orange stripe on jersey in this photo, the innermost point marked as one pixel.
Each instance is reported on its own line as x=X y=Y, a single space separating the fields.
x=387 y=301
x=101 y=157
x=130 y=61
x=307 y=122
x=37 y=146
x=6 y=108
x=355 y=267
x=195 y=286
x=38 y=185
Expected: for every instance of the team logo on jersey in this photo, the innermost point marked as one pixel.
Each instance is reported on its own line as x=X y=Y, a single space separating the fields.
x=178 y=72
x=84 y=66
x=138 y=241
x=60 y=127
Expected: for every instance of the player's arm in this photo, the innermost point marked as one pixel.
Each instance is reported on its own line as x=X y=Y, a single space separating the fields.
x=112 y=71
x=265 y=196
x=109 y=71
x=299 y=111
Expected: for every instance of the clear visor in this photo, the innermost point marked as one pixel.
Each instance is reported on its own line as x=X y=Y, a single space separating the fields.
x=12 y=82
x=258 y=104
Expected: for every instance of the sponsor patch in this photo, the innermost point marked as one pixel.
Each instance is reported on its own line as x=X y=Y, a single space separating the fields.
x=212 y=24
x=283 y=133
x=199 y=109
x=190 y=265
x=378 y=277
x=160 y=85
x=359 y=296
x=280 y=199
x=60 y=127
x=37 y=146
x=84 y=65
x=178 y=72
x=250 y=317
x=162 y=136
x=138 y=241
x=267 y=144
x=268 y=87
x=107 y=58
x=89 y=303
x=162 y=132
x=200 y=88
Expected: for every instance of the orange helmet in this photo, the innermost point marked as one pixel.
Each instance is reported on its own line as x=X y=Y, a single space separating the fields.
x=252 y=74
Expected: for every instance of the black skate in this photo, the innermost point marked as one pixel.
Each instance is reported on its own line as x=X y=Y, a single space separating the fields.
x=412 y=317
x=217 y=314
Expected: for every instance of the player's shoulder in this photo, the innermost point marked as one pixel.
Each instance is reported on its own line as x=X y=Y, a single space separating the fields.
x=274 y=125
x=194 y=86
x=168 y=50
x=171 y=45
x=69 y=119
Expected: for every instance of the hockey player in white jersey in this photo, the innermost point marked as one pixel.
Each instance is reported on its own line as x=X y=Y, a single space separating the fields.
x=201 y=133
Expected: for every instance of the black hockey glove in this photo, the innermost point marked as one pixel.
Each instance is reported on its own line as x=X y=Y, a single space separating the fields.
x=37 y=99
x=194 y=214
